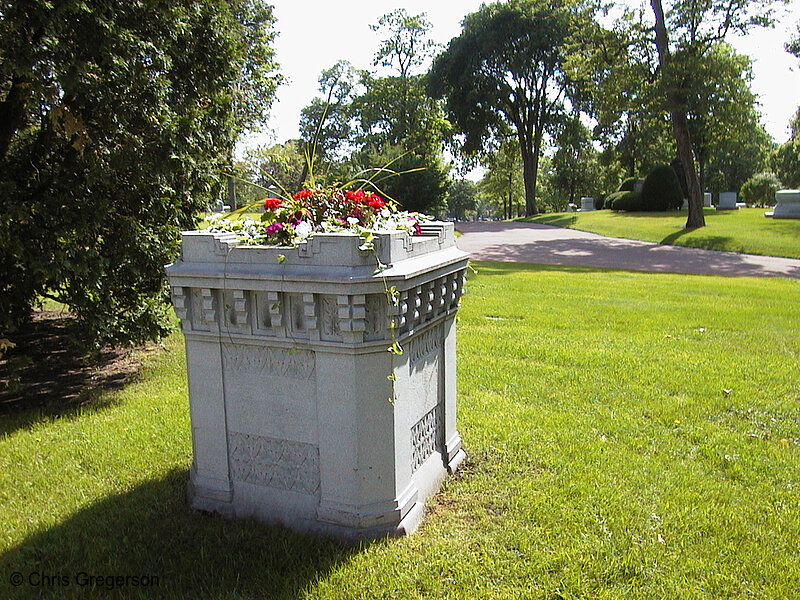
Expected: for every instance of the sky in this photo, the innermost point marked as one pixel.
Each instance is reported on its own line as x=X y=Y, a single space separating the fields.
x=313 y=36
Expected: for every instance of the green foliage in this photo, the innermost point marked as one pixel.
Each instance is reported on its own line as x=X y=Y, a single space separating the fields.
x=785 y=161
x=118 y=119
x=760 y=189
x=280 y=166
x=661 y=190
x=505 y=73
x=625 y=201
x=462 y=201
x=629 y=184
x=502 y=181
x=574 y=167
x=417 y=182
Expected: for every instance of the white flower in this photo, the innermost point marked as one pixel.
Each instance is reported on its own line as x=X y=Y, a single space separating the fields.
x=352 y=220
x=385 y=213
x=303 y=229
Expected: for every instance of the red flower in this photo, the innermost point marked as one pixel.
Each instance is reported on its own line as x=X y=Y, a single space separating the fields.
x=272 y=203
x=303 y=194
x=375 y=201
x=354 y=196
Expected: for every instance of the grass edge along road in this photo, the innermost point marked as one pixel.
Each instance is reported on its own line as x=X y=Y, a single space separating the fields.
x=630 y=435
x=745 y=230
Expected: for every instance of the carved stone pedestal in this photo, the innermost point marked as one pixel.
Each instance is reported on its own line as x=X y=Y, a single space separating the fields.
x=300 y=414
x=787 y=205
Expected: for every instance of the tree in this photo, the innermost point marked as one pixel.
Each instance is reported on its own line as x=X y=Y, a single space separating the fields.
x=786 y=159
x=399 y=125
x=505 y=73
x=462 y=199
x=574 y=165
x=326 y=125
x=502 y=182
x=281 y=165
x=117 y=120
x=760 y=189
x=695 y=27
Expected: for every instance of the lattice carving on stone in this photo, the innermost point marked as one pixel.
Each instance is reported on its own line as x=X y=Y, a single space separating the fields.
x=277 y=463
x=427 y=436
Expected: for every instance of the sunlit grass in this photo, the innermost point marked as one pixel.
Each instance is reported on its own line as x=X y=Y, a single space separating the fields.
x=745 y=230
x=629 y=436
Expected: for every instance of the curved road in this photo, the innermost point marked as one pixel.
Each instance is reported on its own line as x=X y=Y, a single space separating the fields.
x=545 y=244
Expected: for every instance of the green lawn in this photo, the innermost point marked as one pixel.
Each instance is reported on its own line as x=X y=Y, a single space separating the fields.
x=745 y=230
x=630 y=435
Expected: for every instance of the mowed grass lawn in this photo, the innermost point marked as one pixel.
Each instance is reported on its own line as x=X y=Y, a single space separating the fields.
x=629 y=435
x=745 y=230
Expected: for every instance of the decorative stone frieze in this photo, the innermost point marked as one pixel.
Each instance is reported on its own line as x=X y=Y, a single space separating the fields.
x=301 y=415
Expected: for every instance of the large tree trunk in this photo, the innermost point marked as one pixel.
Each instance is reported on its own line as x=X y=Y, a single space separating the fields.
x=680 y=124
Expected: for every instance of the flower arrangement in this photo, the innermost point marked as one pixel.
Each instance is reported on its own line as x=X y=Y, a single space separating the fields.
x=291 y=220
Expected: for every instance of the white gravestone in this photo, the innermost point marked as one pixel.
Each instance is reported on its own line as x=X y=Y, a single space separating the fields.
x=787 y=205
x=300 y=416
x=707 y=200
x=727 y=201
x=587 y=204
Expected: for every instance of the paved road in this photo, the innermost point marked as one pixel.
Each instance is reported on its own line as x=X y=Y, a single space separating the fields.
x=544 y=244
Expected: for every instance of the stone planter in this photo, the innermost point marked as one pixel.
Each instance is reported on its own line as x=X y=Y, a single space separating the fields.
x=300 y=414
x=787 y=205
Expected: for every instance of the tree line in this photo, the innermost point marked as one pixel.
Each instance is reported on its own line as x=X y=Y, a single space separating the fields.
x=118 y=122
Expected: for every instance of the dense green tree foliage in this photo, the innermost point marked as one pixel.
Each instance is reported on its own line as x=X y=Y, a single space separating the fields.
x=506 y=73
x=117 y=120
x=785 y=161
x=502 y=181
x=760 y=189
x=462 y=201
x=574 y=168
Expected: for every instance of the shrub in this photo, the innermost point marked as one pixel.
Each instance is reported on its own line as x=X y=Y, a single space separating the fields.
x=628 y=185
x=662 y=190
x=600 y=202
x=628 y=201
x=760 y=189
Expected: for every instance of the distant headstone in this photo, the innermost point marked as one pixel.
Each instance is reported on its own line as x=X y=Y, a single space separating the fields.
x=787 y=205
x=685 y=205
x=571 y=207
x=727 y=201
x=707 y=200
x=587 y=204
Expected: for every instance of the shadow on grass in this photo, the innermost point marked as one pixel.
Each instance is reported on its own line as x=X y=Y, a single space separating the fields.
x=46 y=375
x=149 y=531
x=713 y=242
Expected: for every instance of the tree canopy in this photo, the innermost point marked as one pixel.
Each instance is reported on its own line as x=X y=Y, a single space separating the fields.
x=505 y=72
x=117 y=120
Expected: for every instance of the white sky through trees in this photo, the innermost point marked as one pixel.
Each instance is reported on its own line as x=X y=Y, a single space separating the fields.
x=313 y=36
